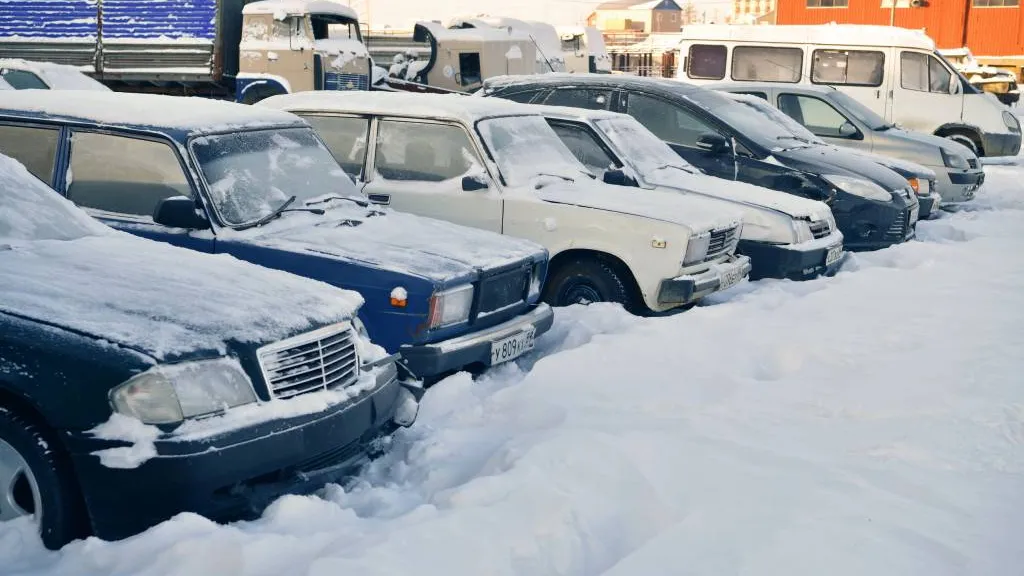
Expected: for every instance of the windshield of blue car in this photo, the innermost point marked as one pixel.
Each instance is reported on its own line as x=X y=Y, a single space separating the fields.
x=865 y=115
x=250 y=174
x=31 y=210
x=526 y=147
x=639 y=146
x=744 y=120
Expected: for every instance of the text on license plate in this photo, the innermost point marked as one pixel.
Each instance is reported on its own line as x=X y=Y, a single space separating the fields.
x=512 y=347
x=731 y=278
x=833 y=255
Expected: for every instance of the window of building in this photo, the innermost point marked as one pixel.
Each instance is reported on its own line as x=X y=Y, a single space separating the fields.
x=768 y=64
x=345 y=138
x=924 y=73
x=996 y=3
x=706 y=61
x=828 y=3
x=33 y=146
x=848 y=67
x=423 y=151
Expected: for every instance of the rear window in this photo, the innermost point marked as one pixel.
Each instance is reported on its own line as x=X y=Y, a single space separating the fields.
x=706 y=61
x=767 y=64
x=848 y=67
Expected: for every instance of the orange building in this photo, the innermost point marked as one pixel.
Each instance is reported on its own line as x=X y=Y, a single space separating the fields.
x=987 y=27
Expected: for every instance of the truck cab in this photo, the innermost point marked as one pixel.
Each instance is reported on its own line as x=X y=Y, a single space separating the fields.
x=299 y=45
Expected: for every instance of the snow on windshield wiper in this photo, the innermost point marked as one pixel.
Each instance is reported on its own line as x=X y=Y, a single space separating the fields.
x=797 y=138
x=280 y=210
x=559 y=176
x=357 y=201
x=676 y=166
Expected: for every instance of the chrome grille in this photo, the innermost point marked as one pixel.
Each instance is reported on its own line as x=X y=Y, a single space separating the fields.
x=311 y=362
x=345 y=81
x=899 y=224
x=820 y=229
x=503 y=290
x=723 y=241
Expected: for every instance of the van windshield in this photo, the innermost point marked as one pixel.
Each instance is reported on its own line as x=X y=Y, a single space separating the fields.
x=859 y=111
x=744 y=120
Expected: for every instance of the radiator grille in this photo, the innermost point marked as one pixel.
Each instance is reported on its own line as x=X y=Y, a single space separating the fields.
x=898 y=228
x=503 y=290
x=345 y=81
x=317 y=361
x=820 y=229
x=723 y=241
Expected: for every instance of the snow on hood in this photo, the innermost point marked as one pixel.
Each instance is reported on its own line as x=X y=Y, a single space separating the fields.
x=391 y=240
x=60 y=266
x=57 y=76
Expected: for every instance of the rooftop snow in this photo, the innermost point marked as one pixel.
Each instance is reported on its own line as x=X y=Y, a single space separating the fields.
x=446 y=106
x=57 y=76
x=151 y=110
x=280 y=8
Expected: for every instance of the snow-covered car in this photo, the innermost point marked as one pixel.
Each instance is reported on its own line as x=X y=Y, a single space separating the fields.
x=29 y=75
x=140 y=380
x=259 y=184
x=784 y=236
x=834 y=117
x=497 y=165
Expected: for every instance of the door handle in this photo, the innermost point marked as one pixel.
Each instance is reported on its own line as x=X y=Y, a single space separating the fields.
x=378 y=198
x=878 y=93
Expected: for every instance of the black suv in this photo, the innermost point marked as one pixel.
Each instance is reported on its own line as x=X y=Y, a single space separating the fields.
x=874 y=207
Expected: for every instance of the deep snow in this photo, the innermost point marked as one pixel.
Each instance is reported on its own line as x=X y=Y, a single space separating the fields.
x=871 y=423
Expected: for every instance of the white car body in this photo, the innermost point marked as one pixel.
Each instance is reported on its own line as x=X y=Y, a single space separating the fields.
x=555 y=202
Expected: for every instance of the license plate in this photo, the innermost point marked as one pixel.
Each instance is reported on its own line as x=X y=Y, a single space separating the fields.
x=731 y=278
x=512 y=347
x=833 y=255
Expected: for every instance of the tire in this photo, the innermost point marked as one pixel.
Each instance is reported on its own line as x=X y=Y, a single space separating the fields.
x=585 y=280
x=966 y=140
x=43 y=487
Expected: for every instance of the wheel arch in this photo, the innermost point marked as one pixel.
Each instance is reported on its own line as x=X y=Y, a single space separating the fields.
x=559 y=259
x=972 y=132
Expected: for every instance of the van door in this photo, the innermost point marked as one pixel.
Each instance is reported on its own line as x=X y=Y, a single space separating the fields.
x=921 y=98
x=859 y=73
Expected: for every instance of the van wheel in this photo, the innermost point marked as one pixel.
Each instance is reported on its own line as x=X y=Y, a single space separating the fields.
x=967 y=140
x=35 y=482
x=585 y=280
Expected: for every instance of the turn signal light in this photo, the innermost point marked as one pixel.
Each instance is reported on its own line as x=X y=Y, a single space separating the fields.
x=914 y=184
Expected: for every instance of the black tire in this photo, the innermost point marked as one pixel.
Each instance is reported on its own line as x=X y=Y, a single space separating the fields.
x=584 y=280
x=59 y=509
x=966 y=139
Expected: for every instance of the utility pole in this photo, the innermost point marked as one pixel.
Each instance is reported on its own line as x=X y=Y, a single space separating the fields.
x=892 y=12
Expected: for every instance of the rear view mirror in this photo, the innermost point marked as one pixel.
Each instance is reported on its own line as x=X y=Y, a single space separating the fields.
x=179 y=212
x=848 y=130
x=713 y=143
x=473 y=183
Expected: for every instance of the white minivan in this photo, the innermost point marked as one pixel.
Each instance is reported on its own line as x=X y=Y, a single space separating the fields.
x=894 y=71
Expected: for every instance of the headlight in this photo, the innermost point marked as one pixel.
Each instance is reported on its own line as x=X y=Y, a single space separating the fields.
x=171 y=393
x=696 y=249
x=955 y=161
x=1011 y=121
x=802 y=231
x=451 y=306
x=859 y=187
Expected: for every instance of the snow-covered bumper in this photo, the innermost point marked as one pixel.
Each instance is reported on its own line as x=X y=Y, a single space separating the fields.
x=958 y=185
x=1001 y=144
x=803 y=261
x=929 y=205
x=235 y=474
x=495 y=345
x=689 y=288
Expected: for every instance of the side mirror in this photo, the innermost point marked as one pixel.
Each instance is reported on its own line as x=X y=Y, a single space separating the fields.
x=473 y=183
x=179 y=212
x=848 y=130
x=616 y=177
x=713 y=143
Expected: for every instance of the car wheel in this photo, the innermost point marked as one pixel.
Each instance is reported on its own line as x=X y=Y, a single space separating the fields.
x=585 y=281
x=34 y=482
x=966 y=140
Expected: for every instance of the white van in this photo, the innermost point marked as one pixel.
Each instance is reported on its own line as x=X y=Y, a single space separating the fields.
x=894 y=71
x=584 y=50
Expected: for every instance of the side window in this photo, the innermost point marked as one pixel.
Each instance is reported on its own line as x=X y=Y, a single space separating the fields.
x=667 y=121
x=706 y=61
x=580 y=98
x=123 y=174
x=938 y=76
x=814 y=113
x=848 y=67
x=469 y=68
x=35 y=147
x=760 y=95
x=585 y=146
x=914 y=71
x=424 y=152
x=521 y=97
x=345 y=138
x=764 y=63
x=23 y=80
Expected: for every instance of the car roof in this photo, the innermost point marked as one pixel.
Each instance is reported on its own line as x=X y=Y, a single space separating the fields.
x=787 y=86
x=662 y=85
x=171 y=115
x=438 y=106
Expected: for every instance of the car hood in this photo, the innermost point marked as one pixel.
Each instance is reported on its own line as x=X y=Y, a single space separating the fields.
x=747 y=195
x=930 y=140
x=386 y=239
x=697 y=214
x=905 y=168
x=829 y=159
x=161 y=300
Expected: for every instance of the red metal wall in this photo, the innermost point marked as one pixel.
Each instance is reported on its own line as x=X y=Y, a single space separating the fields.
x=991 y=31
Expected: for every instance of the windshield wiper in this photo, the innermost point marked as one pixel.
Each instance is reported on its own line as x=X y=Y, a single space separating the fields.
x=357 y=201
x=277 y=212
x=676 y=166
x=797 y=138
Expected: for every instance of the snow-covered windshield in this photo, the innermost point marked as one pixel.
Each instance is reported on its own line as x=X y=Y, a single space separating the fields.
x=743 y=119
x=525 y=147
x=253 y=173
x=30 y=210
x=775 y=115
x=639 y=146
x=859 y=111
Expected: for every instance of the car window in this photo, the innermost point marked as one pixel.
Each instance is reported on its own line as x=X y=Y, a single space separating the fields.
x=23 y=80
x=848 y=67
x=767 y=63
x=668 y=121
x=923 y=73
x=580 y=98
x=423 y=151
x=760 y=95
x=521 y=97
x=816 y=114
x=585 y=146
x=706 y=61
x=938 y=76
x=33 y=146
x=345 y=138
x=122 y=174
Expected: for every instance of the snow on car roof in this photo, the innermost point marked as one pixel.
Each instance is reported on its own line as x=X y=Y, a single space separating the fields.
x=193 y=114
x=823 y=34
x=566 y=80
x=442 y=106
x=282 y=8
x=56 y=76
x=582 y=113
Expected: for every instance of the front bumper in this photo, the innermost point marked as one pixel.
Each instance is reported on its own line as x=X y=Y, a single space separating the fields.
x=427 y=360
x=792 y=262
x=1002 y=144
x=689 y=288
x=959 y=185
x=929 y=204
x=236 y=474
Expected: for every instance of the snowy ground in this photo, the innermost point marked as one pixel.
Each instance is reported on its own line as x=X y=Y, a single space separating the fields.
x=867 y=424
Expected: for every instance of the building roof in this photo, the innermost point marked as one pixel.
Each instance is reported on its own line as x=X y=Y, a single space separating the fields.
x=633 y=5
x=191 y=115
x=440 y=106
x=282 y=8
x=823 y=34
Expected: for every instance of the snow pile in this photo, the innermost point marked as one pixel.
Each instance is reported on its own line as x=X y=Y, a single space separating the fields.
x=870 y=423
x=126 y=428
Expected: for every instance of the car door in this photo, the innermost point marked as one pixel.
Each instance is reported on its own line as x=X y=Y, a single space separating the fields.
x=921 y=98
x=120 y=180
x=432 y=169
x=824 y=120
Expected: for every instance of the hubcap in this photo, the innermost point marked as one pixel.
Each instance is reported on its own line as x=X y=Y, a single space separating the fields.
x=581 y=294
x=19 y=491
